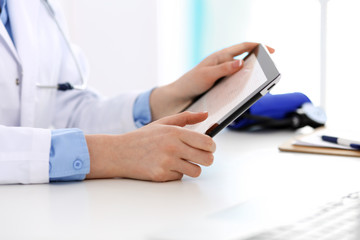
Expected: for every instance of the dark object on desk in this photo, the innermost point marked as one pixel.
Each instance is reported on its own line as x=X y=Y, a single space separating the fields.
x=290 y=110
x=341 y=141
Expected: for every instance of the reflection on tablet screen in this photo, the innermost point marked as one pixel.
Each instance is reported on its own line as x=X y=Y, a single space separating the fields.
x=232 y=92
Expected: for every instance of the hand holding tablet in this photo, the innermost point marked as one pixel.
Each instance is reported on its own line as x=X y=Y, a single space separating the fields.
x=233 y=95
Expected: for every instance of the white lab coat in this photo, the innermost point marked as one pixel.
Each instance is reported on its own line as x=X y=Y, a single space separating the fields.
x=27 y=112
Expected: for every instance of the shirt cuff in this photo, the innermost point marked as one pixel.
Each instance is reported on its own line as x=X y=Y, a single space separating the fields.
x=142 y=110
x=69 y=155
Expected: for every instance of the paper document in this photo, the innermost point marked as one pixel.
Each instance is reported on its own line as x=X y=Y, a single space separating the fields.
x=314 y=139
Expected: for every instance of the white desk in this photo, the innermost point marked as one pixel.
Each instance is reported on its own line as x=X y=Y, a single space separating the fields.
x=246 y=166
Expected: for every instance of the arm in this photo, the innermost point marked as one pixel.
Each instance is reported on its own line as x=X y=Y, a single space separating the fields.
x=161 y=151
x=164 y=151
x=24 y=155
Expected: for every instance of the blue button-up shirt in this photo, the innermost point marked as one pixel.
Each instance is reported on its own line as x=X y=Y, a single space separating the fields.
x=4 y=17
x=69 y=156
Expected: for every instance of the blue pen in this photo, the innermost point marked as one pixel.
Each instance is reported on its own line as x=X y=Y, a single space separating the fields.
x=341 y=141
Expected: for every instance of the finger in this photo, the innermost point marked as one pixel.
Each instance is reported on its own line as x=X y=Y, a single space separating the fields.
x=197 y=156
x=197 y=140
x=184 y=118
x=241 y=48
x=170 y=175
x=224 y=69
x=187 y=168
x=175 y=175
x=270 y=49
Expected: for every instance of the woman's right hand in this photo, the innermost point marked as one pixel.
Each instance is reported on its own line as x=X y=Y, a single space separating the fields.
x=161 y=151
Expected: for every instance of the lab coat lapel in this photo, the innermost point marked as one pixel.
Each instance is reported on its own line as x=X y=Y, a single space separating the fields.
x=8 y=42
x=24 y=21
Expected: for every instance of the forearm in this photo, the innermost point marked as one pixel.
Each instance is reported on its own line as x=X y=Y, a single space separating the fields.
x=167 y=100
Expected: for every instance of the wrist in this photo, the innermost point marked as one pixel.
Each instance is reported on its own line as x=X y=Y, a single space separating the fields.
x=167 y=100
x=102 y=157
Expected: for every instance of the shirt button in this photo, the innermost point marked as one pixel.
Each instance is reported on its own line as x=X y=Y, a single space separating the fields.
x=50 y=167
x=77 y=164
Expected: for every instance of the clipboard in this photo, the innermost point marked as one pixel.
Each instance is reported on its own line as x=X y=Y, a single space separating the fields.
x=288 y=146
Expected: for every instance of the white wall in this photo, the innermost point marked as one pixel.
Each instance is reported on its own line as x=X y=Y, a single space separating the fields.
x=136 y=44
x=173 y=39
x=119 y=39
x=343 y=77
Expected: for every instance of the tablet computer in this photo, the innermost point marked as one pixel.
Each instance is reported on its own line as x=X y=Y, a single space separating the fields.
x=233 y=95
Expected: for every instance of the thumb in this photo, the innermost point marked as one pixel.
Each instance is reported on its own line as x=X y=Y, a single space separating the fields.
x=184 y=118
x=226 y=68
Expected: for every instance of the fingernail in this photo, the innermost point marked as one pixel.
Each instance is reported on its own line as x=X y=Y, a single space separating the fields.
x=237 y=63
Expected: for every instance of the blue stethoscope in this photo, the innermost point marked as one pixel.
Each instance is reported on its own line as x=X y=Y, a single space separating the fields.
x=64 y=86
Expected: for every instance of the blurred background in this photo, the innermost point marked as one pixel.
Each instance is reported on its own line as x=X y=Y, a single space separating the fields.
x=140 y=44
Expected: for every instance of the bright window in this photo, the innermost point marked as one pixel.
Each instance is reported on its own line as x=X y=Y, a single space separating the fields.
x=292 y=27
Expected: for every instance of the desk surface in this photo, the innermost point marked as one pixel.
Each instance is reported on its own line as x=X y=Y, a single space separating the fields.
x=246 y=165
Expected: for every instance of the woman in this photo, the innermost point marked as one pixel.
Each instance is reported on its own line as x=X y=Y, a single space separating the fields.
x=34 y=55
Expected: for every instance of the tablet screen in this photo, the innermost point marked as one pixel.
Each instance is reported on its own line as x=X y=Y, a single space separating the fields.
x=228 y=94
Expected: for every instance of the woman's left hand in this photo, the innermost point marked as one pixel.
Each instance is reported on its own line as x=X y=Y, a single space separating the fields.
x=174 y=97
